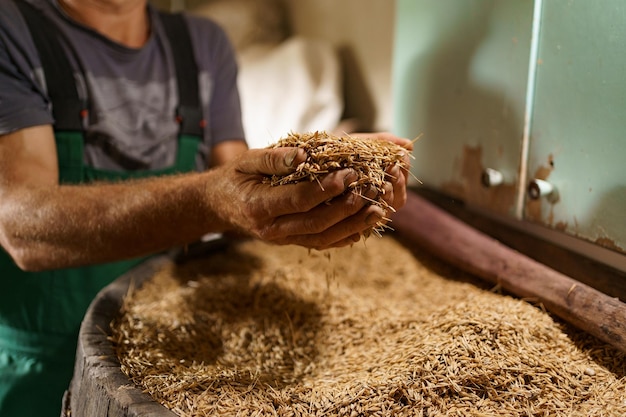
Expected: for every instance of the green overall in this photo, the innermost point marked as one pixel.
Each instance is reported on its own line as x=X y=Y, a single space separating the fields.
x=40 y=313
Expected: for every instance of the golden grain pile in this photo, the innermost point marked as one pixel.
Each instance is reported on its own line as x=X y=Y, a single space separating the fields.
x=372 y=330
x=369 y=158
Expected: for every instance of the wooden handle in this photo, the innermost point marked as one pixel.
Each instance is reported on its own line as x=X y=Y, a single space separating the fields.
x=430 y=227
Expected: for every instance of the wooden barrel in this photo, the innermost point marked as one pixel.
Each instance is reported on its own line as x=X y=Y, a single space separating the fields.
x=99 y=388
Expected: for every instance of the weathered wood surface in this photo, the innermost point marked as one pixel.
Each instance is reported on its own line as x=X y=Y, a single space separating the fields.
x=99 y=388
x=422 y=223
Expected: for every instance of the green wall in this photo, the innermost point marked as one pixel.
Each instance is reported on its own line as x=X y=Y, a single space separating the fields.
x=530 y=89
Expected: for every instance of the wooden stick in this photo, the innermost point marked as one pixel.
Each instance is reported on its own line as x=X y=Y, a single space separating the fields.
x=430 y=227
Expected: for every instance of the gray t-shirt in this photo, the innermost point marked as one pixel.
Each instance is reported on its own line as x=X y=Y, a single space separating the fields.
x=132 y=92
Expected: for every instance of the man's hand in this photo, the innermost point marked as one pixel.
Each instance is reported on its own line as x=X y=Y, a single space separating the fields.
x=314 y=215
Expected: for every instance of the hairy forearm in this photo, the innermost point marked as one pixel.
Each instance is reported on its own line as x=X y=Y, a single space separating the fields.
x=72 y=225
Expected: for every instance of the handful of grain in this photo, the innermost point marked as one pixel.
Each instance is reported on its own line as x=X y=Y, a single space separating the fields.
x=369 y=158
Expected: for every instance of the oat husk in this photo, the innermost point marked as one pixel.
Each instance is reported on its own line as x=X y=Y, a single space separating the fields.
x=370 y=158
x=372 y=330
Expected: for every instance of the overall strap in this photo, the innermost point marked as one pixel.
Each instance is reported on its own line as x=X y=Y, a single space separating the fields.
x=189 y=110
x=68 y=110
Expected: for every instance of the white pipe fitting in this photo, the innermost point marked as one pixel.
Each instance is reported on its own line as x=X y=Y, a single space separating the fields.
x=539 y=188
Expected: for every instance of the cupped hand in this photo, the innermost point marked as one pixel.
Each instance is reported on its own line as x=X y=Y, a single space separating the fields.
x=310 y=214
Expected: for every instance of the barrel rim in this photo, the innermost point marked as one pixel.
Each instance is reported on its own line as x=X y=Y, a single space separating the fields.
x=97 y=368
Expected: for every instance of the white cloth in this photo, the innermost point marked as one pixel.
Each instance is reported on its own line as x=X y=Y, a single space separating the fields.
x=291 y=86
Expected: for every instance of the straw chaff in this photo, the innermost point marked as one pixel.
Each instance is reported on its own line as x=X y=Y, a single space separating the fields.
x=260 y=330
x=370 y=158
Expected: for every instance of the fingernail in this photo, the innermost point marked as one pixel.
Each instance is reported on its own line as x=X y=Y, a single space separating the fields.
x=371 y=192
x=349 y=179
x=289 y=158
x=372 y=219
